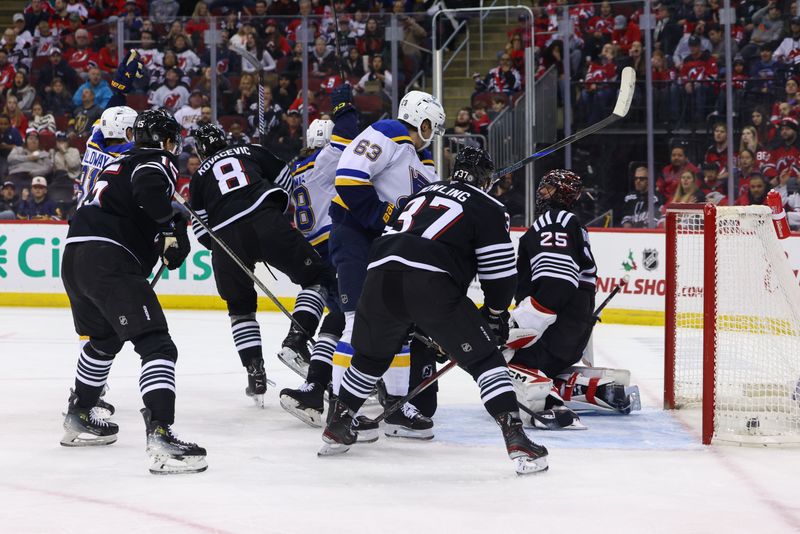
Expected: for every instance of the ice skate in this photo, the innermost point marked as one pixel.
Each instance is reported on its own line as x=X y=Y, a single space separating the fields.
x=295 y=352
x=84 y=427
x=624 y=399
x=557 y=418
x=407 y=422
x=306 y=403
x=367 y=430
x=528 y=457
x=168 y=454
x=338 y=435
x=256 y=381
x=104 y=409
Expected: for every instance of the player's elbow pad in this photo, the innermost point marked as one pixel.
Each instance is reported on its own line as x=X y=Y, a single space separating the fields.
x=529 y=321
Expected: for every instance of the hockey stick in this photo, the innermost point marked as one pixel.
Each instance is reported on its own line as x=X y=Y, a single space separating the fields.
x=243 y=267
x=253 y=60
x=338 y=50
x=452 y=363
x=626 y=89
x=157 y=276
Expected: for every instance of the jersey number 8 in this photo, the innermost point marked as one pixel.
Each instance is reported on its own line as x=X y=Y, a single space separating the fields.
x=303 y=214
x=368 y=150
x=230 y=175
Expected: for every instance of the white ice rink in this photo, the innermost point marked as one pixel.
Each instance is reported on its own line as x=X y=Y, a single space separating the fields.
x=646 y=472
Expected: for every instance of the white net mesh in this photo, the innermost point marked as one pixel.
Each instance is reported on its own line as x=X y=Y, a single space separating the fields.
x=757 y=360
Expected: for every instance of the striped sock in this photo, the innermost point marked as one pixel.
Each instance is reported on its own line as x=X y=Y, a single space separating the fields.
x=157 y=386
x=321 y=366
x=356 y=387
x=497 y=391
x=308 y=309
x=246 y=337
x=91 y=374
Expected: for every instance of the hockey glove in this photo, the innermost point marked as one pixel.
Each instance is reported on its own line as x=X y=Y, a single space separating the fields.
x=529 y=320
x=341 y=100
x=127 y=72
x=173 y=243
x=498 y=322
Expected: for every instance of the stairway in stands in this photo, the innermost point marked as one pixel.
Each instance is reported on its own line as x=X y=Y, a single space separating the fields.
x=7 y=10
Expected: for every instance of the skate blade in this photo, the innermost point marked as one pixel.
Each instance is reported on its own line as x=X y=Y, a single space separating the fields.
x=86 y=439
x=555 y=427
x=399 y=431
x=368 y=436
x=309 y=416
x=525 y=465
x=258 y=398
x=332 y=449
x=294 y=361
x=170 y=465
x=633 y=393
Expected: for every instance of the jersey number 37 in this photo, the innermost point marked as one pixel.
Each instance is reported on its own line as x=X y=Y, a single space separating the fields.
x=436 y=216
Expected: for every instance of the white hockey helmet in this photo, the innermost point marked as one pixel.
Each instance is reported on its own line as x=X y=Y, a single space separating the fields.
x=319 y=133
x=416 y=107
x=114 y=122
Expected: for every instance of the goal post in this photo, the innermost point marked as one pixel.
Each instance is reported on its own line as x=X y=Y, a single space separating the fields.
x=732 y=324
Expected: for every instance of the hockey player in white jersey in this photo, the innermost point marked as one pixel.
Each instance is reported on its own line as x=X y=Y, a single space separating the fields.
x=312 y=190
x=378 y=171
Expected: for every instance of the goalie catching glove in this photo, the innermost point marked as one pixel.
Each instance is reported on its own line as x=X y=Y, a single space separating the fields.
x=528 y=322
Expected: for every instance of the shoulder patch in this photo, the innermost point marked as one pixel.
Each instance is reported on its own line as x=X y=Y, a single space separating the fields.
x=392 y=129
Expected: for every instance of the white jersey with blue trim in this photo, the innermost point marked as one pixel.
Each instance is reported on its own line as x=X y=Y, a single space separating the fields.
x=97 y=156
x=313 y=189
x=381 y=161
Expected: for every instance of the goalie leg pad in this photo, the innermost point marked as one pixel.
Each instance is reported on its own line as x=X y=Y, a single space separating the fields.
x=597 y=393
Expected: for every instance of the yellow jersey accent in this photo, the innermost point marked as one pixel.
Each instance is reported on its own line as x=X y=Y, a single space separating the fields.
x=352 y=181
x=340 y=140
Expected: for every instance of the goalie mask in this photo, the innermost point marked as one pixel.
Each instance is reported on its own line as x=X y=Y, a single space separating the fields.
x=209 y=139
x=558 y=188
x=475 y=167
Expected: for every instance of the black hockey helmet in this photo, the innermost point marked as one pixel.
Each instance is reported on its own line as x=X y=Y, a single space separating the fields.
x=567 y=188
x=155 y=126
x=475 y=167
x=209 y=139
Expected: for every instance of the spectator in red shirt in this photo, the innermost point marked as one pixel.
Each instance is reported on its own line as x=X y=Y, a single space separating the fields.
x=60 y=17
x=480 y=118
x=7 y=72
x=107 y=58
x=504 y=78
x=760 y=121
x=714 y=187
x=698 y=69
x=670 y=174
x=37 y=11
x=81 y=58
x=756 y=193
x=784 y=154
x=745 y=166
x=598 y=92
x=372 y=42
x=718 y=152
x=625 y=33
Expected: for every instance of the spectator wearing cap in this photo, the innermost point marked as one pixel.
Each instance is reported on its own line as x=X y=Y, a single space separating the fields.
x=714 y=187
x=58 y=67
x=85 y=115
x=670 y=174
x=625 y=33
x=57 y=99
x=81 y=57
x=18 y=118
x=29 y=160
x=98 y=86
x=44 y=39
x=66 y=159
x=8 y=201
x=37 y=11
x=684 y=48
x=38 y=206
x=635 y=206
x=783 y=158
x=43 y=123
x=24 y=37
x=788 y=52
x=7 y=71
x=9 y=138
x=163 y=11
x=698 y=69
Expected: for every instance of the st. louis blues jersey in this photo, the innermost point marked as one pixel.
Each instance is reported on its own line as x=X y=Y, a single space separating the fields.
x=377 y=173
x=97 y=156
x=555 y=261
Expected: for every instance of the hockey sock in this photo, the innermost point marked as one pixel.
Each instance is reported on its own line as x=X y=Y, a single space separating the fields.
x=343 y=352
x=246 y=337
x=157 y=386
x=497 y=391
x=356 y=387
x=399 y=373
x=91 y=375
x=320 y=369
x=308 y=308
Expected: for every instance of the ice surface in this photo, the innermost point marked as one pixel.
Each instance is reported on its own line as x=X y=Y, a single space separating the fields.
x=646 y=472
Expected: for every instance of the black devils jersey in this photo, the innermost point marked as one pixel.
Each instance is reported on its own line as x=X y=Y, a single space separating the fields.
x=131 y=200
x=233 y=183
x=454 y=228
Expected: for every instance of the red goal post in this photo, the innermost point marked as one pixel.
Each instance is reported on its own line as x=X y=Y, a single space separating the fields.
x=732 y=324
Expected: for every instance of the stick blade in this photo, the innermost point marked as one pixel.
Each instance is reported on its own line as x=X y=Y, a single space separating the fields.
x=627 y=87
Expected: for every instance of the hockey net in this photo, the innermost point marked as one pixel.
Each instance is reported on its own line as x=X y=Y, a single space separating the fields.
x=732 y=339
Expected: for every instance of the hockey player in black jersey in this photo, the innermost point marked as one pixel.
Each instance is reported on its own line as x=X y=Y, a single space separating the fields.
x=553 y=320
x=241 y=193
x=114 y=241
x=418 y=274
